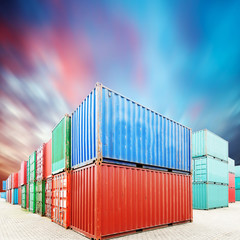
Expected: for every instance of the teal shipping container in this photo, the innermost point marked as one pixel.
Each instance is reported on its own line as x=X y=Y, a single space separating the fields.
x=205 y=143
x=14 y=196
x=32 y=197
x=237 y=171
x=61 y=146
x=209 y=169
x=209 y=195
x=237 y=182
x=237 y=194
x=231 y=165
x=32 y=167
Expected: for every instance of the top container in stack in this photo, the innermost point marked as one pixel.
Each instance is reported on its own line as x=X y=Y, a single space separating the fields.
x=115 y=129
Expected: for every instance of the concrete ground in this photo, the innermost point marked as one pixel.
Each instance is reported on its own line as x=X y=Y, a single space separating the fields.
x=224 y=223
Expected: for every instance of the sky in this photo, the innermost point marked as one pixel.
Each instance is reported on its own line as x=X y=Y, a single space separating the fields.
x=179 y=58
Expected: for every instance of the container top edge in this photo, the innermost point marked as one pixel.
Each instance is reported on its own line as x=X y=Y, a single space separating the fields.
x=205 y=129
x=66 y=115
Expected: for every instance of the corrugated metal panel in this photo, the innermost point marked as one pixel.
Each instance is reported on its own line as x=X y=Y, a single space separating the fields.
x=27 y=196
x=19 y=178
x=23 y=177
x=231 y=165
x=28 y=172
x=40 y=197
x=110 y=199
x=19 y=195
x=9 y=196
x=237 y=171
x=24 y=196
x=231 y=195
x=61 y=146
x=14 y=180
x=207 y=143
x=14 y=199
x=40 y=164
x=237 y=182
x=209 y=169
x=209 y=195
x=231 y=180
x=48 y=158
x=48 y=197
x=32 y=197
x=4 y=185
x=32 y=167
x=237 y=194
x=61 y=199
x=127 y=132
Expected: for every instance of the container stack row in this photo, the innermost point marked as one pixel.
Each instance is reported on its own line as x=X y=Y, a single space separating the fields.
x=131 y=167
x=231 y=186
x=237 y=183
x=210 y=170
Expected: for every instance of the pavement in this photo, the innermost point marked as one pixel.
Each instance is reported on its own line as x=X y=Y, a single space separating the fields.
x=219 y=224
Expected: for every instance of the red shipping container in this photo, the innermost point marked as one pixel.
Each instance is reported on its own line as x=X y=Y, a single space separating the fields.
x=19 y=196
x=111 y=200
x=27 y=197
x=61 y=199
x=9 y=196
x=23 y=177
x=231 y=180
x=19 y=178
x=48 y=197
x=231 y=195
x=40 y=166
x=47 y=154
x=15 y=180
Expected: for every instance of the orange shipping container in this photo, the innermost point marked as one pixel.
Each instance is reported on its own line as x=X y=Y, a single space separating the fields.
x=110 y=200
x=61 y=199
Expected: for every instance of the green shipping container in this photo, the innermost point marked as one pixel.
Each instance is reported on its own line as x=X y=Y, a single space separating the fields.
x=205 y=143
x=209 y=195
x=237 y=182
x=32 y=197
x=40 y=197
x=32 y=167
x=61 y=145
x=24 y=196
x=209 y=169
x=231 y=165
x=237 y=171
x=237 y=194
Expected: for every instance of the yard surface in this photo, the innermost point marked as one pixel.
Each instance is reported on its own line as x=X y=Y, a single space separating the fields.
x=223 y=223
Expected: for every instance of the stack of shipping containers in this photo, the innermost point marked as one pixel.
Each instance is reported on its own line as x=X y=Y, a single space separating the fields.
x=40 y=183
x=237 y=183
x=4 y=188
x=14 y=188
x=9 y=189
x=210 y=170
x=47 y=153
x=19 y=188
x=231 y=180
x=23 y=183
x=61 y=172
x=32 y=182
x=132 y=167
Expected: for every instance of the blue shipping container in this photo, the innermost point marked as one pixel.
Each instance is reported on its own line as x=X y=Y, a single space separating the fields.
x=3 y=195
x=110 y=127
x=3 y=185
x=14 y=196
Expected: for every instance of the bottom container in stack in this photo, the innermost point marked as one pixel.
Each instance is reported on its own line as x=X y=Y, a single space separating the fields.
x=19 y=195
x=32 y=197
x=40 y=197
x=231 y=188
x=237 y=188
x=237 y=194
x=209 y=195
x=27 y=196
x=3 y=195
x=14 y=195
x=111 y=200
x=61 y=199
x=24 y=196
x=9 y=196
x=48 y=197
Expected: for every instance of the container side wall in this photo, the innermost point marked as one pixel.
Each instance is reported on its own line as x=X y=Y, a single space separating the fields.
x=84 y=131
x=32 y=167
x=237 y=182
x=40 y=164
x=4 y=185
x=199 y=196
x=48 y=158
x=216 y=146
x=133 y=133
x=231 y=180
x=40 y=197
x=32 y=197
x=19 y=196
x=48 y=197
x=24 y=196
x=237 y=171
x=237 y=194
x=231 y=195
x=231 y=165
